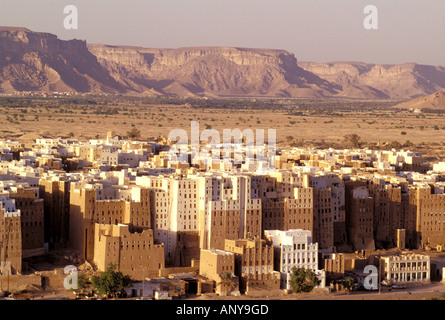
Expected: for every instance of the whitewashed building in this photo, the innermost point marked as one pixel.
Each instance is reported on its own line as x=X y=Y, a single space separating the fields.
x=294 y=248
x=409 y=268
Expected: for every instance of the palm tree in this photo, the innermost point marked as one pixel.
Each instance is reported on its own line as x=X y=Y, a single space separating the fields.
x=226 y=282
x=348 y=284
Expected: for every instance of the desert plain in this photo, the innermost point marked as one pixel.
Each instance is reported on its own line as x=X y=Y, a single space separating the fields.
x=317 y=123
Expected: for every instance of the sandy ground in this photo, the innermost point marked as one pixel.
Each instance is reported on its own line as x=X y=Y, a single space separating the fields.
x=433 y=290
x=425 y=131
x=153 y=120
x=430 y=291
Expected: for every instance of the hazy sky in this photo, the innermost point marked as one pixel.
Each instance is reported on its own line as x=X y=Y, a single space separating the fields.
x=314 y=30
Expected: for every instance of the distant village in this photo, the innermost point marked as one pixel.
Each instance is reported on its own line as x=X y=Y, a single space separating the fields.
x=178 y=227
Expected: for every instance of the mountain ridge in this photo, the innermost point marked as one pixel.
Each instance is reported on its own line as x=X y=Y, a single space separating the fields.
x=390 y=81
x=434 y=102
x=40 y=62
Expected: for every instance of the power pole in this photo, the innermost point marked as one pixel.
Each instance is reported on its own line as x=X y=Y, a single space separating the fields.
x=143 y=282
x=380 y=262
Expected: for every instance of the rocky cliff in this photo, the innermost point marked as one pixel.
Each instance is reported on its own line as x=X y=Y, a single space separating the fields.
x=36 y=61
x=211 y=71
x=380 y=81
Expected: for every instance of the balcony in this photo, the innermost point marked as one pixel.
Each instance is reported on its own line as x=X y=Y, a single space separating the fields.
x=409 y=269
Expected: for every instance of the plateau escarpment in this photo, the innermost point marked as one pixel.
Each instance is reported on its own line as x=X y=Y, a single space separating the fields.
x=396 y=81
x=40 y=62
x=211 y=71
x=31 y=61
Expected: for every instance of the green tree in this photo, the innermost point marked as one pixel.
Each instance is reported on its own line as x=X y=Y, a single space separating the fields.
x=227 y=283
x=348 y=284
x=110 y=282
x=134 y=133
x=408 y=144
x=352 y=140
x=395 y=145
x=303 y=280
x=83 y=284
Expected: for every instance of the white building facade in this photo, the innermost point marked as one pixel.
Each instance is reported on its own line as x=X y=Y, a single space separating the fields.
x=295 y=249
x=407 y=269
